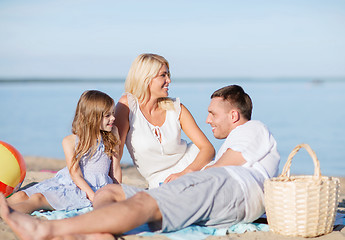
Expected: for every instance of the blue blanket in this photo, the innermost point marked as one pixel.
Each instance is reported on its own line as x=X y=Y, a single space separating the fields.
x=190 y=233
x=195 y=232
x=53 y=215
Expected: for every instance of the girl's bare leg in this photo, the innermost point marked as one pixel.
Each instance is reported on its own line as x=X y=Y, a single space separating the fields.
x=17 y=197
x=115 y=218
x=35 y=202
x=108 y=194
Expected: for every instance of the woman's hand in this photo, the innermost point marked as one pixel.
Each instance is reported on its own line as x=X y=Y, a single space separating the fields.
x=174 y=176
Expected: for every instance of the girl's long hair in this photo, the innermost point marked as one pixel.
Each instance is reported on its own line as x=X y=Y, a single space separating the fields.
x=144 y=68
x=91 y=108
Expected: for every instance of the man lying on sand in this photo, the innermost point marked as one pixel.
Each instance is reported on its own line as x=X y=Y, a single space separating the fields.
x=228 y=191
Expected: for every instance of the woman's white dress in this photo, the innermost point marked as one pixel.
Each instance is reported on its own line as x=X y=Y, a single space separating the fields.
x=157 y=151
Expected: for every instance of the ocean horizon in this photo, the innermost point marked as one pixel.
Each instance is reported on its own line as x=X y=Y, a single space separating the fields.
x=36 y=113
x=67 y=80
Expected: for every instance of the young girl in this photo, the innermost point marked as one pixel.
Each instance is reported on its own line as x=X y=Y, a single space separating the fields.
x=92 y=160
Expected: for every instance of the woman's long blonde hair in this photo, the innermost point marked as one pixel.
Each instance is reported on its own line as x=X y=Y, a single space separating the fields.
x=91 y=108
x=144 y=68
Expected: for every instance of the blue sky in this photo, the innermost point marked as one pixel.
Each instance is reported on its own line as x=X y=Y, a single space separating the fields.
x=249 y=38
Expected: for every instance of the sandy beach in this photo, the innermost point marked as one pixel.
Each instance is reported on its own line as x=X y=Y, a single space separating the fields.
x=39 y=168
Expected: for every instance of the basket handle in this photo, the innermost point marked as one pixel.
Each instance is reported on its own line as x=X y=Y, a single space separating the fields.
x=286 y=169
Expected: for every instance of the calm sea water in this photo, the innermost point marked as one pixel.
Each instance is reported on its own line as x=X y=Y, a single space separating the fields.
x=35 y=117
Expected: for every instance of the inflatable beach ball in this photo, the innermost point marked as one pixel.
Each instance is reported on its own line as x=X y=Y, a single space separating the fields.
x=12 y=169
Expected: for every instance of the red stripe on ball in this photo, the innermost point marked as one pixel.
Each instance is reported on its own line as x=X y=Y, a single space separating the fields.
x=5 y=189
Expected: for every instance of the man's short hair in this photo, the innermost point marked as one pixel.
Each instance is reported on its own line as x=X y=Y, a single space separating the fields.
x=238 y=98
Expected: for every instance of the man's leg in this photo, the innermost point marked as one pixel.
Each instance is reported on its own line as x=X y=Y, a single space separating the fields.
x=115 y=218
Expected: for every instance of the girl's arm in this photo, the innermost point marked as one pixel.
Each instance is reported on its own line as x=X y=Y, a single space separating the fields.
x=68 y=144
x=206 y=153
x=115 y=169
x=122 y=121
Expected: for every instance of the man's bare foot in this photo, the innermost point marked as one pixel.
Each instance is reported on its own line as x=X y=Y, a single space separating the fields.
x=23 y=225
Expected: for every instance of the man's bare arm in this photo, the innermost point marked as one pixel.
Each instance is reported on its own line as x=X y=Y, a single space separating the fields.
x=229 y=158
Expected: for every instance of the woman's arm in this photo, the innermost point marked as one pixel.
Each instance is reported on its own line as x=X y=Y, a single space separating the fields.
x=68 y=144
x=194 y=133
x=122 y=121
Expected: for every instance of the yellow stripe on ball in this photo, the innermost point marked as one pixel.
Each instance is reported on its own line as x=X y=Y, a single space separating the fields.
x=9 y=168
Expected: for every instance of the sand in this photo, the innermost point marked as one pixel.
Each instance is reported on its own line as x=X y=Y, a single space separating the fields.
x=39 y=168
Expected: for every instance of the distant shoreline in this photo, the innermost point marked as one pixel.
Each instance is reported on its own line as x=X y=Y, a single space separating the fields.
x=49 y=80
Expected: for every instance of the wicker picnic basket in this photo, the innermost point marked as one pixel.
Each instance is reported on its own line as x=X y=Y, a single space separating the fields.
x=302 y=206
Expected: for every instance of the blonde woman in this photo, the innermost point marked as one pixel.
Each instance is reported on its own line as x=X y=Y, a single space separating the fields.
x=150 y=124
x=92 y=160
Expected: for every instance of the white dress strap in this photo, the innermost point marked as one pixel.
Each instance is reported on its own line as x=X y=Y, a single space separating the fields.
x=177 y=106
x=132 y=101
